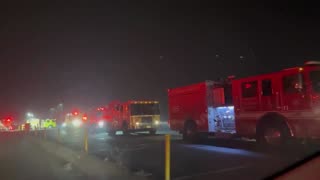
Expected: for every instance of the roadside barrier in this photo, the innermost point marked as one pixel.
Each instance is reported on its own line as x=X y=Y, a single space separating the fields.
x=85 y=139
x=167 y=157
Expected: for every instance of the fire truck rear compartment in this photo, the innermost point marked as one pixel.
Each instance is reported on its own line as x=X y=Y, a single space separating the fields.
x=221 y=119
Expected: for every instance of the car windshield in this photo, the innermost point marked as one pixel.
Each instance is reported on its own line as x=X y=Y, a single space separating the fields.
x=103 y=88
x=315 y=80
x=144 y=109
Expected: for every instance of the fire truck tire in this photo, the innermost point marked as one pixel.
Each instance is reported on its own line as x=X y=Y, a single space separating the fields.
x=190 y=132
x=273 y=132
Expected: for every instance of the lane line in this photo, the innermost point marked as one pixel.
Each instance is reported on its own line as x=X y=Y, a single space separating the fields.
x=211 y=172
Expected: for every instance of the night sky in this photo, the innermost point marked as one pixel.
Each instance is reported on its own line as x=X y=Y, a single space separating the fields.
x=86 y=54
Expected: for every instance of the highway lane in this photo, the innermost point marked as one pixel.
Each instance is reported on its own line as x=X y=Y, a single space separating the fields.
x=213 y=158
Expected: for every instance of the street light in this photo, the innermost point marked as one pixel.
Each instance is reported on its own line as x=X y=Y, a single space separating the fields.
x=30 y=115
x=60 y=106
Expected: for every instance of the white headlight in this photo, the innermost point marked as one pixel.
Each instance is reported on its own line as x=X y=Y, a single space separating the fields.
x=76 y=123
x=156 y=122
x=64 y=124
x=100 y=123
x=137 y=123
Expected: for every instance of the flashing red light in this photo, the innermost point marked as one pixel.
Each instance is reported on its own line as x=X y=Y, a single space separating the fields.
x=75 y=113
x=84 y=118
x=100 y=109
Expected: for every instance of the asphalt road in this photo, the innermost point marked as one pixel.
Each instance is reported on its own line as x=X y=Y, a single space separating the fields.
x=212 y=159
x=19 y=159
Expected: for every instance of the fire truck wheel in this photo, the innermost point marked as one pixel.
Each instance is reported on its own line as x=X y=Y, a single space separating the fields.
x=275 y=133
x=190 y=132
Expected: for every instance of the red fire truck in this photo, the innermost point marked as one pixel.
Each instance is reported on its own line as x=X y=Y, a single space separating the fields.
x=101 y=117
x=8 y=123
x=272 y=108
x=75 y=119
x=97 y=117
x=131 y=116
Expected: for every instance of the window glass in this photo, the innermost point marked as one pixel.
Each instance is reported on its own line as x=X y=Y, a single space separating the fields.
x=315 y=80
x=266 y=87
x=145 y=109
x=292 y=83
x=249 y=89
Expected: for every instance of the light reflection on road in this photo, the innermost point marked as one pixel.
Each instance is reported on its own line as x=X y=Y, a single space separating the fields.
x=225 y=150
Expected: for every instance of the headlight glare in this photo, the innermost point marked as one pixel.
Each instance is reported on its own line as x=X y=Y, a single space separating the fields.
x=76 y=123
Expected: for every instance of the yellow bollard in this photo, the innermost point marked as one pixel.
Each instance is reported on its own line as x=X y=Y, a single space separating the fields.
x=167 y=157
x=86 y=140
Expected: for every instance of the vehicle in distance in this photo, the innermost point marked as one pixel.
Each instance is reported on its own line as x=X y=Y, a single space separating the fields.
x=75 y=119
x=7 y=124
x=48 y=123
x=98 y=118
x=131 y=116
x=272 y=108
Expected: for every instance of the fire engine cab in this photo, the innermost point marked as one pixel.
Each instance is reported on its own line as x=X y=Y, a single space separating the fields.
x=75 y=119
x=272 y=108
x=132 y=116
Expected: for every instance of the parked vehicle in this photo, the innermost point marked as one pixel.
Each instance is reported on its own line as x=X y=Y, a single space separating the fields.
x=131 y=116
x=272 y=108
